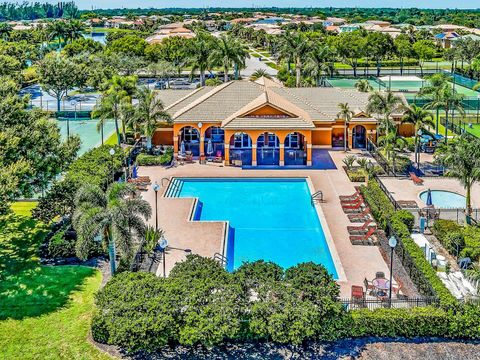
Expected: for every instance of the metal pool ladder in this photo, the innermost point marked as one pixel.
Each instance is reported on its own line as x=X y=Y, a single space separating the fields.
x=221 y=259
x=176 y=186
x=317 y=197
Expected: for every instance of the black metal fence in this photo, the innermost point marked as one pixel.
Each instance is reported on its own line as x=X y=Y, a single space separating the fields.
x=458 y=126
x=372 y=304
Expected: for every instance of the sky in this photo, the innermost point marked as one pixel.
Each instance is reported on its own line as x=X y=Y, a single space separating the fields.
x=87 y=4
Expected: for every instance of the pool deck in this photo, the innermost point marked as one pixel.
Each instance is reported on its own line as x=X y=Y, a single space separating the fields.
x=402 y=188
x=206 y=238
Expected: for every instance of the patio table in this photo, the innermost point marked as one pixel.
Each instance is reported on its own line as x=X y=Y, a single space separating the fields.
x=382 y=286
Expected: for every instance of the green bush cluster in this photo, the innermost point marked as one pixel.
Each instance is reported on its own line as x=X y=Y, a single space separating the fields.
x=401 y=224
x=95 y=167
x=153 y=160
x=201 y=303
x=463 y=241
x=356 y=175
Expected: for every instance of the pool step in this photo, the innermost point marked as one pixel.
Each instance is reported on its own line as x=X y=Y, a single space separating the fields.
x=174 y=188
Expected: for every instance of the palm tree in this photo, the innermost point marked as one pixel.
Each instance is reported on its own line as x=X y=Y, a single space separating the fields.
x=449 y=99
x=462 y=160
x=5 y=30
x=149 y=112
x=228 y=52
x=434 y=90
x=392 y=143
x=363 y=85
x=420 y=118
x=57 y=30
x=383 y=104
x=114 y=215
x=199 y=55
x=346 y=114
x=162 y=70
x=109 y=108
x=259 y=73
x=320 y=63
x=74 y=30
x=296 y=46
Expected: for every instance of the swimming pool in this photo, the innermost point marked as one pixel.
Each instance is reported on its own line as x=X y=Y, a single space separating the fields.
x=445 y=199
x=270 y=219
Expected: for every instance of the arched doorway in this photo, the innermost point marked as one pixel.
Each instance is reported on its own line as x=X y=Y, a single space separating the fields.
x=216 y=137
x=240 y=149
x=359 y=137
x=295 y=149
x=268 y=149
x=190 y=137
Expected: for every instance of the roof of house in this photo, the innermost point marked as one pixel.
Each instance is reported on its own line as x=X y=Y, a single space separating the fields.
x=235 y=103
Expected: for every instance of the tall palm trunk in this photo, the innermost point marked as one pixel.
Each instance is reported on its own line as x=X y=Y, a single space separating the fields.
x=225 y=75
x=117 y=130
x=468 y=200
x=111 y=249
x=202 y=77
x=298 y=72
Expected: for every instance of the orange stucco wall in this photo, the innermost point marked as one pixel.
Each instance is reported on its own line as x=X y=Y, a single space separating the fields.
x=322 y=137
x=163 y=137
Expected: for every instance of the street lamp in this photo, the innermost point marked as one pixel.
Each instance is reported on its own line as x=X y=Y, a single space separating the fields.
x=417 y=150
x=112 y=152
x=74 y=104
x=392 y=242
x=155 y=188
x=478 y=106
x=162 y=246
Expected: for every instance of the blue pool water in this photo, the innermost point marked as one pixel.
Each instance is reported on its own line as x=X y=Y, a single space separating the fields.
x=272 y=219
x=445 y=199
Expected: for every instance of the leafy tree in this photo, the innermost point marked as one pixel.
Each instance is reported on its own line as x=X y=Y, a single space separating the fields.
x=378 y=46
x=403 y=49
x=5 y=30
x=350 y=46
x=132 y=45
x=228 y=52
x=161 y=70
x=424 y=50
x=82 y=45
x=320 y=63
x=149 y=112
x=296 y=47
x=57 y=30
x=73 y=30
x=9 y=66
x=462 y=160
x=383 y=104
x=114 y=215
x=58 y=75
x=393 y=144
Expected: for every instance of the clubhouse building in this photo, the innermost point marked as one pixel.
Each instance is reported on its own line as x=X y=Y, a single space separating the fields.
x=263 y=123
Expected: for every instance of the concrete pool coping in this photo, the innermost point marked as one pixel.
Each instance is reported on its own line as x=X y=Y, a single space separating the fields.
x=341 y=276
x=441 y=207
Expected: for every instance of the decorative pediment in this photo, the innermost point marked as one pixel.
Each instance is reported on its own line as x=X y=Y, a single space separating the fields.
x=268 y=111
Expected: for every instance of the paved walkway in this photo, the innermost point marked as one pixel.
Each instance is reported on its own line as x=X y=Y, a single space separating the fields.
x=205 y=238
x=253 y=63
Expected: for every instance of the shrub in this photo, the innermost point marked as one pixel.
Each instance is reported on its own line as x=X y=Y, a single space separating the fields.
x=382 y=209
x=152 y=160
x=442 y=227
x=454 y=242
x=405 y=217
x=471 y=235
x=213 y=82
x=356 y=175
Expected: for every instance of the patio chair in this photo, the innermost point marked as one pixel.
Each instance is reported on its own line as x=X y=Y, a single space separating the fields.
x=218 y=157
x=358 y=296
x=189 y=158
x=368 y=286
x=360 y=217
x=352 y=208
x=364 y=239
x=361 y=229
x=416 y=180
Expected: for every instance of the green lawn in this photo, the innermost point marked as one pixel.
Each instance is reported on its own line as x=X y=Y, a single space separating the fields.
x=112 y=140
x=45 y=311
x=24 y=207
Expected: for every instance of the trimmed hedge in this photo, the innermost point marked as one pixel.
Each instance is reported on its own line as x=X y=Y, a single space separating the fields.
x=153 y=160
x=384 y=213
x=461 y=241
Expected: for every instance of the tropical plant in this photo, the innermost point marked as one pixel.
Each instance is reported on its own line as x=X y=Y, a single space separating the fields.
x=420 y=118
x=149 y=112
x=363 y=85
x=295 y=46
x=383 y=104
x=228 y=52
x=320 y=63
x=462 y=160
x=199 y=55
x=56 y=30
x=151 y=239
x=109 y=108
x=349 y=160
x=114 y=216
x=346 y=114
x=73 y=30
x=393 y=144
x=433 y=90
x=259 y=73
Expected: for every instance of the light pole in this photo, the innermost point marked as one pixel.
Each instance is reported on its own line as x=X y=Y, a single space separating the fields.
x=392 y=242
x=478 y=106
x=155 y=188
x=112 y=153
x=163 y=247
x=419 y=134
x=74 y=104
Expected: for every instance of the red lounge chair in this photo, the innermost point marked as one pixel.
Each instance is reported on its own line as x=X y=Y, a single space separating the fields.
x=352 y=202
x=362 y=238
x=361 y=229
x=360 y=217
x=349 y=197
x=416 y=180
x=357 y=292
x=352 y=208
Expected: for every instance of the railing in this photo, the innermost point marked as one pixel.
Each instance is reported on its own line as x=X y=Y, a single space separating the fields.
x=221 y=259
x=459 y=129
x=373 y=150
x=372 y=304
x=317 y=197
x=386 y=192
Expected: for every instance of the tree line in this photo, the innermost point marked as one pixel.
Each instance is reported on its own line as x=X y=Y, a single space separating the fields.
x=38 y=10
